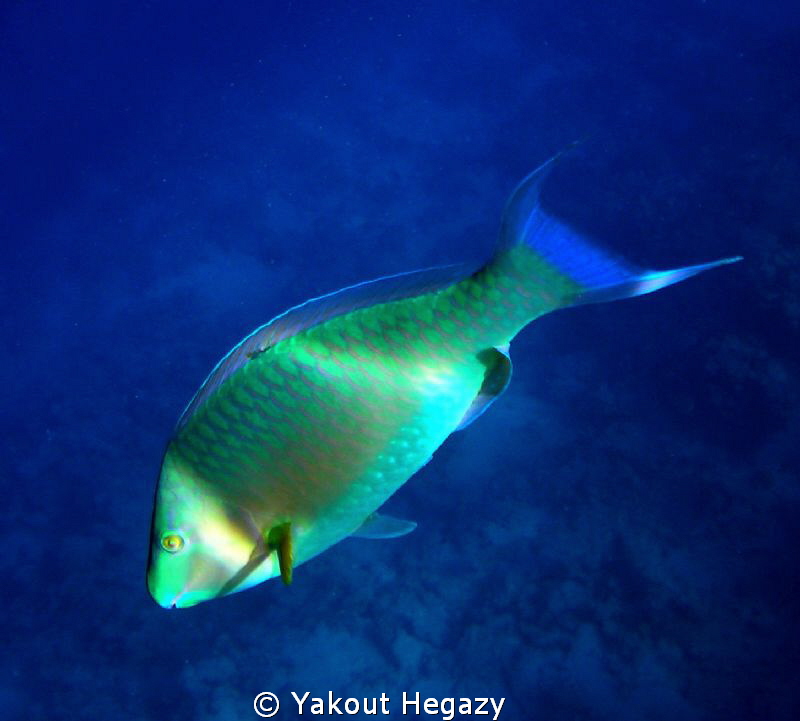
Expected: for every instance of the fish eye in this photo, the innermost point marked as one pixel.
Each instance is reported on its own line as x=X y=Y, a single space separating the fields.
x=172 y=542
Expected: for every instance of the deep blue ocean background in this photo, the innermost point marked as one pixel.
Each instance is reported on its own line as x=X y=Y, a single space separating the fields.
x=617 y=539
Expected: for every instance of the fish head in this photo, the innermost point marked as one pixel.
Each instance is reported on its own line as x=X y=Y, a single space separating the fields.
x=200 y=547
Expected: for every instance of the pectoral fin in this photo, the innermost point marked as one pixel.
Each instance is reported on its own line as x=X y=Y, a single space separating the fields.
x=279 y=539
x=495 y=380
x=378 y=526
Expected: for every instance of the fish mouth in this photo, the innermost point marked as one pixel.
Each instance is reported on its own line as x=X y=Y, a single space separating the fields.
x=163 y=597
x=179 y=601
x=172 y=603
x=168 y=603
x=185 y=599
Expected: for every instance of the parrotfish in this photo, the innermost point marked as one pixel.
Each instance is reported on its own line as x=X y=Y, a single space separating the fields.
x=308 y=425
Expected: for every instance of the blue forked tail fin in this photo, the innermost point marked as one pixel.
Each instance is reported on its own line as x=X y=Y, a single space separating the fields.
x=566 y=269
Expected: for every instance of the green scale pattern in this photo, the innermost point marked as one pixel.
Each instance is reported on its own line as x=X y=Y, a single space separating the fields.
x=323 y=427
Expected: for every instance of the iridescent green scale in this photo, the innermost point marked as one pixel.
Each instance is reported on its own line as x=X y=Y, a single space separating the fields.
x=309 y=425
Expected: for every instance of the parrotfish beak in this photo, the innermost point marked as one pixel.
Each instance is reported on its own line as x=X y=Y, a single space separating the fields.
x=175 y=595
x=166 y=595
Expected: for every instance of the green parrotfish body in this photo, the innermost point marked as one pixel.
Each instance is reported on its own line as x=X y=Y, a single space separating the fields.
x=309 y=424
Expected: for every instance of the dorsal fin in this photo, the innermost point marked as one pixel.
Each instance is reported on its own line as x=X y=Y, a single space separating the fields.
x=495 y=381
x=318 y=310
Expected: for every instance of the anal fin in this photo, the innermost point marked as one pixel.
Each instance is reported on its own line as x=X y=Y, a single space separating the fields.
x=379 y=526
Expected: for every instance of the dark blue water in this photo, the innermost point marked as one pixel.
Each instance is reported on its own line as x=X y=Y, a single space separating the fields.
x=616 y=539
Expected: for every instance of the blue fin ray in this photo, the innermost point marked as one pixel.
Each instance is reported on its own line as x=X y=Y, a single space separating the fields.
x=598 y=274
